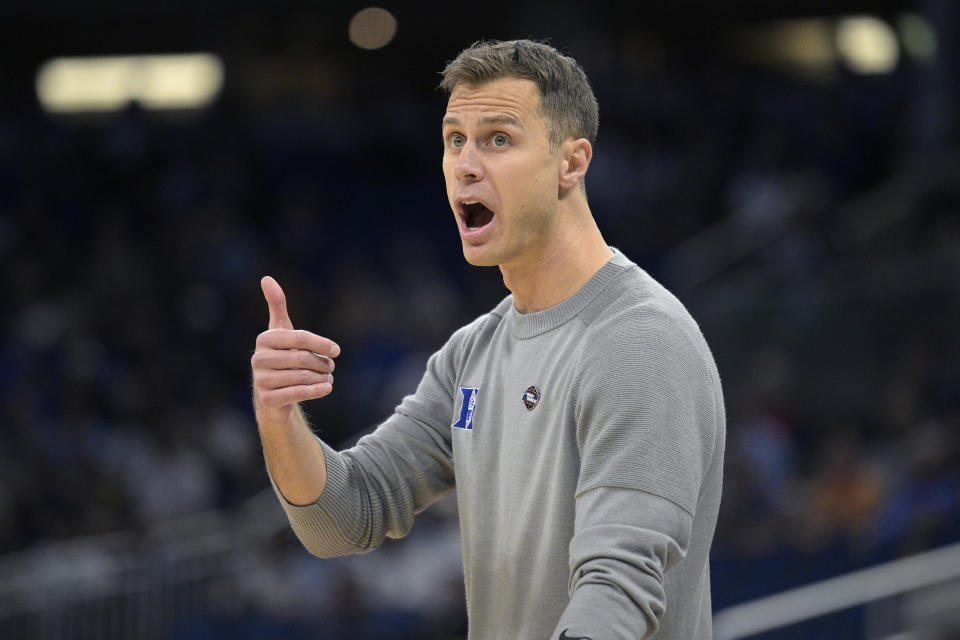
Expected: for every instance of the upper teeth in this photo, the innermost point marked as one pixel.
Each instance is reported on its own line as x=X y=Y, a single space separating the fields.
x=466 y=202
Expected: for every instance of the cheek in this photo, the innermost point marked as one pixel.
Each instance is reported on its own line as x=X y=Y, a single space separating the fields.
x=537 y=173
x=538 y=188
x=448 y=179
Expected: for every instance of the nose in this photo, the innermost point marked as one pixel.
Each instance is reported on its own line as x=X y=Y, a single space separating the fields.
x=468 y=165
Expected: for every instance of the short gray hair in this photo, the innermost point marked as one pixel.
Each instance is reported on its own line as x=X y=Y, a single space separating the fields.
x=566 y=98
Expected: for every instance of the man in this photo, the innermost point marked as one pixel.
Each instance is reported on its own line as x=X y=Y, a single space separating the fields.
x=581 y=420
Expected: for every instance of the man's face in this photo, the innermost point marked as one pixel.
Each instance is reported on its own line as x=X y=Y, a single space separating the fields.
x=502 y=177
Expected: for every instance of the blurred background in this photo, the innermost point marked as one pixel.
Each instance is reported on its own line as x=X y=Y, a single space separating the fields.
x=791 y=170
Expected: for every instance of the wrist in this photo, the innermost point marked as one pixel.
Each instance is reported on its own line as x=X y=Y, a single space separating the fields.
x=272 y=417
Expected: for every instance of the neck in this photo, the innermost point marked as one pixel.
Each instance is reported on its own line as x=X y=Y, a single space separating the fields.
x=556 y=272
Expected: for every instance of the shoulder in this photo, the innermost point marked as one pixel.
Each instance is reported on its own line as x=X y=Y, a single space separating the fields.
x=636 y=312
x=483 y=323
x=467 y=337
x=648 y=380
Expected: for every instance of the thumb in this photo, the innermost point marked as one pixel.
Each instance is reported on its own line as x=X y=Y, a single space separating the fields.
x=277 y=303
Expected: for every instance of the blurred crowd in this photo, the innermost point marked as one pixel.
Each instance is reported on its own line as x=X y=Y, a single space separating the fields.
x=132 y=247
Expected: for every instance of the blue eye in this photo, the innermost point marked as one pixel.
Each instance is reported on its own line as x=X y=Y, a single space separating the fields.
x=500 y=140
x=456 y=141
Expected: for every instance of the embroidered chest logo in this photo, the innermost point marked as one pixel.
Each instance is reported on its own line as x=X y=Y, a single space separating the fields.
x=467 y=407
x=531 y=397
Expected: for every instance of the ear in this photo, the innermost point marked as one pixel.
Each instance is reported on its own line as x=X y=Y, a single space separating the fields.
x=576 y=155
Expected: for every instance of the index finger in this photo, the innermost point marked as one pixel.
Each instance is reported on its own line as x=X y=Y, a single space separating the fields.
x=299 y=339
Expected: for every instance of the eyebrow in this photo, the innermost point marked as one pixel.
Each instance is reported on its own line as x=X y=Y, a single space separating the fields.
x=452 y=121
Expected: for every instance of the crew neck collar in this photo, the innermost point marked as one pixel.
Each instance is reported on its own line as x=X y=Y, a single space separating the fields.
x=529 y=325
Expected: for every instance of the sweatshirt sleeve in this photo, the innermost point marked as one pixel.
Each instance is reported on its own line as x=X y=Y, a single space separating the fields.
x=375 y=489
x=646 y=427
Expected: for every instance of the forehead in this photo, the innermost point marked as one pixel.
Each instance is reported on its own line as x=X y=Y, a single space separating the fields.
x=516 y=97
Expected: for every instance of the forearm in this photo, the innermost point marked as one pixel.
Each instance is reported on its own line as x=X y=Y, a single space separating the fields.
x=292 y=453
x=372 y=490
x=346 y=502
x=626 y=541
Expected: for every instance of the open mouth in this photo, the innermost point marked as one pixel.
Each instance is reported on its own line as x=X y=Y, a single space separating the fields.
x=476 y=215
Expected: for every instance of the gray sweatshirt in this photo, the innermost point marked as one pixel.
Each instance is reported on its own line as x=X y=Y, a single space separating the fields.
x=586 y=445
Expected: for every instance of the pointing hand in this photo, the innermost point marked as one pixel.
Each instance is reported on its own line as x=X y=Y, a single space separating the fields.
x=289 y=365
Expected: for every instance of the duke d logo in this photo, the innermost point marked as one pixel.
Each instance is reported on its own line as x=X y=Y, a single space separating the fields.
x=467 y=407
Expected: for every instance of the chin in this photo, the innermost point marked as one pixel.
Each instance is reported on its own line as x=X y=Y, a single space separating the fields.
x=478 y=257
x=480 y=261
